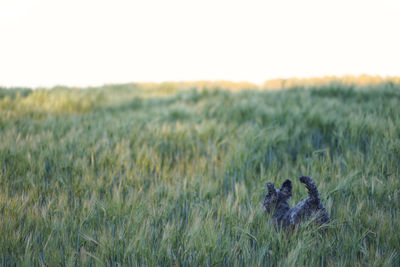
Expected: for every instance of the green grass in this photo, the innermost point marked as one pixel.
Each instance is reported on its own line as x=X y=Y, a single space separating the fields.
x=161 y=176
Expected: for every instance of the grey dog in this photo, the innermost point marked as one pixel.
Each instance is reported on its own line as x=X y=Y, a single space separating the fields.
x=276 y=201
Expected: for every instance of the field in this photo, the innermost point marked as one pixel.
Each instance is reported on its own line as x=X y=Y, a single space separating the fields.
x=161 y=175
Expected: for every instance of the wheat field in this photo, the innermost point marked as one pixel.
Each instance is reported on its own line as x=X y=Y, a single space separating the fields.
x=156 y=174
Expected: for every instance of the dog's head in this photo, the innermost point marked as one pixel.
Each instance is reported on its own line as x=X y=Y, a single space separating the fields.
x=275 y=196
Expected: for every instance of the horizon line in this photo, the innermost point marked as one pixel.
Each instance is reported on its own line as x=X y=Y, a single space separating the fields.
x=324 y=79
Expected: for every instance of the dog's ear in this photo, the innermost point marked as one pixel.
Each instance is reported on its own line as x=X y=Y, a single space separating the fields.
x=286 y=188
x=271 y=188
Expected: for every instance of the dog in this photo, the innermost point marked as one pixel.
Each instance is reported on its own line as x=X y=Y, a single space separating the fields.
x=275 y=202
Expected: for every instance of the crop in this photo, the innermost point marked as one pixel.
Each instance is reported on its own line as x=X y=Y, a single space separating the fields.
x=160 y=175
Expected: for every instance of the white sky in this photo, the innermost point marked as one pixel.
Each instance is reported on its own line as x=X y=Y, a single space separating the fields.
x=92 y=42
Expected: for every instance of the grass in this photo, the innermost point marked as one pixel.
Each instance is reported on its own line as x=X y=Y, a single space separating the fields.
x=161 y=176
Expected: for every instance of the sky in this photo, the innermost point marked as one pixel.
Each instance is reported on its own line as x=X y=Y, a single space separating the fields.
x=44 y=43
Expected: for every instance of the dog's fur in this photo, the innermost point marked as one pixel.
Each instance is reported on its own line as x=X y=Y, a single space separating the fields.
x=276 y=201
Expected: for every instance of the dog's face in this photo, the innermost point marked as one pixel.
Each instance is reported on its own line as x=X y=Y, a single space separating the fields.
x=275 y=196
